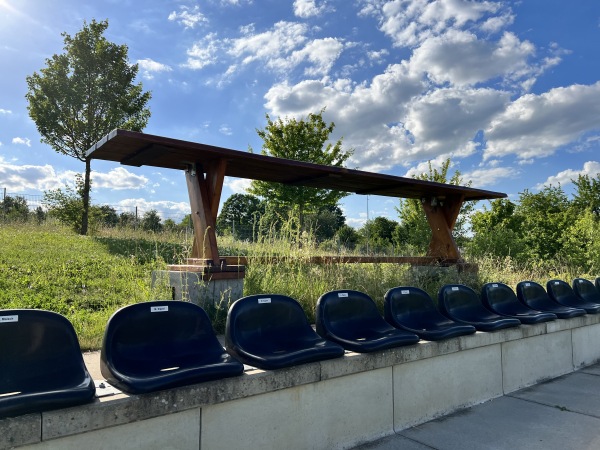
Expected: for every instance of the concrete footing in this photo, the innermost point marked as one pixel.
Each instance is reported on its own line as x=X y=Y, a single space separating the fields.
x=197 y=288
x=338 y=403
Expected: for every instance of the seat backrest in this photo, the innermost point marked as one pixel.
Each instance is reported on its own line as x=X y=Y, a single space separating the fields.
x=597 y=283
x=459 y=300
x=346 y=309
x=532 y=294
x=560 y=291
x=263 y=318
x=148 y=335
x=499 y=297
x=586 y=290
x=39 y=351
x=407 y=304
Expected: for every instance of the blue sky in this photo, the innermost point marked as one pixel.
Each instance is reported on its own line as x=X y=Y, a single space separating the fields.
x=509 y=90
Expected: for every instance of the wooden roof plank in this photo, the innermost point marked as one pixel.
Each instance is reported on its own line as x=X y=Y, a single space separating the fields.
x=133 y=148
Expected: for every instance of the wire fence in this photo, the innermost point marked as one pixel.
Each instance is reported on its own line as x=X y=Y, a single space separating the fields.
x=35 y=202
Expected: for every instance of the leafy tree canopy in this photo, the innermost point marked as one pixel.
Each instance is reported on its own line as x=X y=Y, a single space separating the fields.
x=84 y=93
x=301 y=140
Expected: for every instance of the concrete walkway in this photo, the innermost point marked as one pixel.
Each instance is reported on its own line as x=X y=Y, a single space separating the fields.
x=560 y=414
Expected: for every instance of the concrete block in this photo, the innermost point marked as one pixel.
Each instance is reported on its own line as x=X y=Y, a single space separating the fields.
x=189 y=286
x=338 y=413
x=529 y=361
x=586 y=350
x=179 y=431
x=432 y=387
x=16 y=431
x=566 y=324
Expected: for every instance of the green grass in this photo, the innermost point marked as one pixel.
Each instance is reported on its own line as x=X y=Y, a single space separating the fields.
x=87 y=278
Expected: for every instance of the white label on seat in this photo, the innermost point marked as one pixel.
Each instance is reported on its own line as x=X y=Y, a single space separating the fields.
x=159 y=308
x=342 y=294
x=527 y=284
x=494 y=285
x=405 y=292
x=264 y=300
x=4 y=319
x=556 y=283
x=455 y=288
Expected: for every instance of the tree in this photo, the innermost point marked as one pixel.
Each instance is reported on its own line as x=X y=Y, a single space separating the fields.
x=498 y=231
x=326 y=222
x=546 y=218
x=240 y=215
x=151 y=221
x=83 y=94
x=14 y=208
x=378 y=233
x=300 y=140
x=587 y=196
x=414 y=230
x=110 y=218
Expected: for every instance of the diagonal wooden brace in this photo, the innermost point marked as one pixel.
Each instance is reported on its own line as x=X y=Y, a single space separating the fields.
x=205 y=183
x=441 y=215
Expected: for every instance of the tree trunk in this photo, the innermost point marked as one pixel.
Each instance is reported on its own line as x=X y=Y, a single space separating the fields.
x=86 y=198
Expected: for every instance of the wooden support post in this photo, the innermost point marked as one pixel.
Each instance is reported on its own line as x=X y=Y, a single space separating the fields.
x=441 y=215
x=205 y=195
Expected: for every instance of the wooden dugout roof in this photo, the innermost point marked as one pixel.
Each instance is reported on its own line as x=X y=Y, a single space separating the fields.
x=140 y=149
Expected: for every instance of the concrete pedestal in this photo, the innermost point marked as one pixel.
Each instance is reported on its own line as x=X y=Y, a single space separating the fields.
x=194 y=287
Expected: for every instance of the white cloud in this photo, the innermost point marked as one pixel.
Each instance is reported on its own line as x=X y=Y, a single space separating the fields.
x=203 y=53
x=164 y=208
x=461 y=58
x=226 y=130
x=22 y=141
x=118 y=179
x=489 y=177
x=309 y=8
x=590 y=168
x=322 y=53
x=535 y=126
x=409 y=23
x=5 y=112
x=380 y=141
x=24 y=178
x=238 y=185
x=150 y=67
x=188 y=17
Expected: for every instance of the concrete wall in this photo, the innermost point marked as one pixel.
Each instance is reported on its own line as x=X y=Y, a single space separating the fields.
x=329 y=404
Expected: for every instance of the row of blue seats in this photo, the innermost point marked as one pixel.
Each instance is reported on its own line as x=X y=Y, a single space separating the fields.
x=164 y=344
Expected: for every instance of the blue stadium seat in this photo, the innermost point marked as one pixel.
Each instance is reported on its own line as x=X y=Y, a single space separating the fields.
x=501 y=299
x=351 y=319
x=585 y=290
x=160 y=345
x=533 y=295
x=41 y=366
x=462 y=304
x=561 y=292
x=271 y=331
x=597 y=284
x=412 y=309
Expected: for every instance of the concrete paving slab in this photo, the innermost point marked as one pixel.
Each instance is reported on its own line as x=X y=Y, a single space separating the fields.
x=393 y=442
x=592 y=370
x=577 y=392
x=509 y=423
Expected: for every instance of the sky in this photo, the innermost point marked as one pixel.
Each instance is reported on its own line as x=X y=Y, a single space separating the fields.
x=509 y=90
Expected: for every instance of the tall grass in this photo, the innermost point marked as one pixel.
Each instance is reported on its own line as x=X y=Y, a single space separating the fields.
x=88 y=278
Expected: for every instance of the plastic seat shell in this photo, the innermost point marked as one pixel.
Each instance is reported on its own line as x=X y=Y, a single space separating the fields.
x=159 y=345
x=41 y=366
x=533 y=295
x=271 y=331
x=412 y=309
x=462 y=304
x=351 y=319
x=502 y=300
x=561 y=292
x=585 y=290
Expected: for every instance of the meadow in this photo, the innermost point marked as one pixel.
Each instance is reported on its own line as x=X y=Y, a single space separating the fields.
x=87 y=278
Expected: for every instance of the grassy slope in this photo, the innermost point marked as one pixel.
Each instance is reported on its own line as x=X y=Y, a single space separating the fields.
x=88 y=278
x=83 y=278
